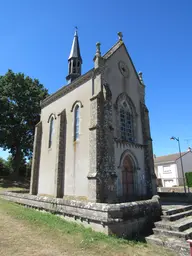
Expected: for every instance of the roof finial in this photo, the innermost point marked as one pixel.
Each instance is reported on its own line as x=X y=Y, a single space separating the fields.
x=98 y=49
x=76 y=29
x=141 y=77
x=98 y=60
x=120 y=35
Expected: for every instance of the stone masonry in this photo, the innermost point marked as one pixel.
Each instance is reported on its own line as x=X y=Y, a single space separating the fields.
x=123 y=220
x=174 y=229
x=60 y=163
x=36 y=159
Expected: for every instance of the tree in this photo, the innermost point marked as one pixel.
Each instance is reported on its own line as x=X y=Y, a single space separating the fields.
x=20 y=98
x=4 y=171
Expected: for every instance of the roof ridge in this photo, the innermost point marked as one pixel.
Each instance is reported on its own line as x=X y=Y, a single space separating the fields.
x=66 y=88
x=113 y=49
x=169 y=158
x=172 y=154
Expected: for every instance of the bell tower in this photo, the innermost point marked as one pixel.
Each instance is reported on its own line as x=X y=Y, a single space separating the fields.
x=74 y=60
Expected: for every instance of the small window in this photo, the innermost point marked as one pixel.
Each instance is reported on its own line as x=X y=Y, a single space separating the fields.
x=76 y=123
x=51 y=132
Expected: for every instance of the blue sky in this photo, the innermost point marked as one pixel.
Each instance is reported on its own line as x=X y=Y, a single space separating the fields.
x=36 y=37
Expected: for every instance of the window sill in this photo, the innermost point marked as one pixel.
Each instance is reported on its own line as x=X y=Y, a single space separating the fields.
x=76 y=141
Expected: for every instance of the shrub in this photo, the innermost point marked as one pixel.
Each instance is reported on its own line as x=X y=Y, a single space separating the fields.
x=188 y=176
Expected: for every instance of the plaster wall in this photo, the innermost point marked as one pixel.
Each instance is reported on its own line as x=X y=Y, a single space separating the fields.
x=77 y=152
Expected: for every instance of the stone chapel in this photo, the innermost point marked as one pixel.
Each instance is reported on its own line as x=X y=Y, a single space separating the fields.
x=93 y=140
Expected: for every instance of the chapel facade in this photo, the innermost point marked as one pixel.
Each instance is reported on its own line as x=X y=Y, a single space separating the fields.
x=93 y=140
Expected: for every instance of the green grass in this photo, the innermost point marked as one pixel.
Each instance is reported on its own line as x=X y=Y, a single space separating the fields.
x=50 y=221
x=11 y=189
x=76 y=236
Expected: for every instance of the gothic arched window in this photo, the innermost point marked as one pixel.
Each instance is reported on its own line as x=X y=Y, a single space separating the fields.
x=51 y=131
x=76 y=123
x=126 y=121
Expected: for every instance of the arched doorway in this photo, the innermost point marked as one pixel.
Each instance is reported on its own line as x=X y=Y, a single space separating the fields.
x=128 y=177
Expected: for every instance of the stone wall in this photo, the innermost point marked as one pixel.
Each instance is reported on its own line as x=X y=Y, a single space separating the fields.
x=176 y=197
x=36 y=159
x=148 y=152
x=123 y=220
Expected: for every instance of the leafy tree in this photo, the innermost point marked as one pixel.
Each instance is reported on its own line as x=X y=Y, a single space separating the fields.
x=20 y=98
x=4 y=171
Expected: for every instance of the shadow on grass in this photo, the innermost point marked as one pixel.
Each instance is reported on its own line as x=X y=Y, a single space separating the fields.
x=18 y=183
x=141 y=236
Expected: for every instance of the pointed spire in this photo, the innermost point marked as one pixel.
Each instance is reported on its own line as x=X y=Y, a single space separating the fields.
x=75 y=49
x=74 y=60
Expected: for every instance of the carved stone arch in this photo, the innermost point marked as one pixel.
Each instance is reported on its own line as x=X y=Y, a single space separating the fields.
x=124 y=96
x=74 y=104
x=51 y=115
x=132 y=156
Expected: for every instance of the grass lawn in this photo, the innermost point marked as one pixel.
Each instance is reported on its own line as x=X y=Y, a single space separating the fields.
x=24 y=231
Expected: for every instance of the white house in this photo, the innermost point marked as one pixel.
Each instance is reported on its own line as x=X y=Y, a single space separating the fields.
x=168 y=168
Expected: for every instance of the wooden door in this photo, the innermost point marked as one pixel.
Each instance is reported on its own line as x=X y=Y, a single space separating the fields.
x=127 y=178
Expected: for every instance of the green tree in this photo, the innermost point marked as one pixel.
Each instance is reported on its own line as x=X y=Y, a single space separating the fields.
x=4 y=171
x=20 y=98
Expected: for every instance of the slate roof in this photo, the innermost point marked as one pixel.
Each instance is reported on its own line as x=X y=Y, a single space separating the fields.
x=168 y=158
x=75 y=49
x=77 y=82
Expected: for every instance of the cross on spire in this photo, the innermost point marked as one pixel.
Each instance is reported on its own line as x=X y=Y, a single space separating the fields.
x=76 y=29
x=120 y=35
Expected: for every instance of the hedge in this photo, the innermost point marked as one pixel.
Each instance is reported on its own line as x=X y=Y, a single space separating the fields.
x=188 y=176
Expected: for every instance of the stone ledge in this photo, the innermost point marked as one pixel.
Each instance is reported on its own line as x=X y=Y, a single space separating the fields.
x=120 y=219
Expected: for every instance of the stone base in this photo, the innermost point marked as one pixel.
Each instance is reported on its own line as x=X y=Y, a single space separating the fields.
x=123 y=220
x=174 y=229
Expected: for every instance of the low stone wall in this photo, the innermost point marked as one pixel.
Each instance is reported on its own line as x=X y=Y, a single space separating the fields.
x=176 y=197
x=171 y=190
x=123 y=220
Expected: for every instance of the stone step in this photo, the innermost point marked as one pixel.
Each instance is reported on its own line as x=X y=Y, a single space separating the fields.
x=177 y=210
x=176 y=216
x=179 y=248
x=170 y=233
x=178 y=225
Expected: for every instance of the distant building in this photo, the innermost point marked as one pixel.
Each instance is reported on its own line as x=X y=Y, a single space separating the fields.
x=168 y=168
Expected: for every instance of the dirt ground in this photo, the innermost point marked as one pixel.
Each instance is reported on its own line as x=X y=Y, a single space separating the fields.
x=20 y=237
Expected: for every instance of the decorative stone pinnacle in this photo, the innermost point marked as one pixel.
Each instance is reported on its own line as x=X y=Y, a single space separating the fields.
x=98 y=50
x=98 y=59
x=120 y=35
x=141 y=76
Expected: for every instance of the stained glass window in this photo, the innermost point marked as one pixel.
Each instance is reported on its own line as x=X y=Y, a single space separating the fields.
x=126 y=122
x=76 y=124
x=51 y=132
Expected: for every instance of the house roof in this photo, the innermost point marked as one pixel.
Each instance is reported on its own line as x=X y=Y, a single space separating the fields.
x=168 y=158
